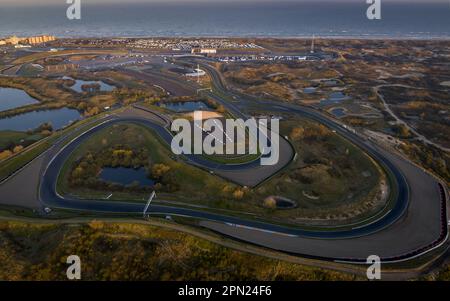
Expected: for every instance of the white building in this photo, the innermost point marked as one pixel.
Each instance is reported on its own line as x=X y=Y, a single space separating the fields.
x=204 y=50
x=198 y=72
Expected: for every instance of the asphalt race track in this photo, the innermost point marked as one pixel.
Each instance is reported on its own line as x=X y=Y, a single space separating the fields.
x=390 y=236
x=415 y=224
x=50 y=197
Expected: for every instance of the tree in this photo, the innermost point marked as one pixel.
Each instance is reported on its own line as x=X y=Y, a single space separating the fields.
x=46 y=133
x=221 y=109
x=297 y=133
x=91 y=111
x=78 y=173
x=238 y=194
x=5 y=154
x=159 y=170
x=17 y=149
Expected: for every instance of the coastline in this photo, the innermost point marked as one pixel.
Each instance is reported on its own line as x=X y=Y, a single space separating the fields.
x=275 y=37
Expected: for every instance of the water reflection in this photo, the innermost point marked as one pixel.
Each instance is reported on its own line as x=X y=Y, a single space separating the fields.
x=11 y=98
x=126 y=176
x=27 y=121
x=78 y=86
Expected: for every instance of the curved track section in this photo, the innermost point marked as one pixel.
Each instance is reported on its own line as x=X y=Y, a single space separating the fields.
x=50 y=197
x=415 y=225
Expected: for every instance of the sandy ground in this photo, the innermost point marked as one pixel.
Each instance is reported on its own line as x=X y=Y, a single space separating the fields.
x=205 y=115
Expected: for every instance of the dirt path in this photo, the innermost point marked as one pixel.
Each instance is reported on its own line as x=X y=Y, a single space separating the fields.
x=402 y=122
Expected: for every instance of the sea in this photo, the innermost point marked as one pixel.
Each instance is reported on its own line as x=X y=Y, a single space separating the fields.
x=229 y=19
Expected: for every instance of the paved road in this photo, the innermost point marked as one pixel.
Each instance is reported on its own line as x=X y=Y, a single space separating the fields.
x=173 y=87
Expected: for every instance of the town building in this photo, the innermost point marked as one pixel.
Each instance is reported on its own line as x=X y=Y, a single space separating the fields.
x=14 y=40
x=39 y=39
x=204 y=51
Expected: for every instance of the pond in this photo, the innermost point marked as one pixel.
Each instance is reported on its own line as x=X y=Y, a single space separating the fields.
x=278 y=202
x=334 y=98
x=330 y=82
x=77 y=87
x=187 y=106
x=338 y=112
x=309 y=90
x=14 y=98
x=285 y=204
x=126 y=176
x=28 y=121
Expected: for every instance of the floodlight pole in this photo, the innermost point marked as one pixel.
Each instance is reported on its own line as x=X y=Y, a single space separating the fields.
x=147 y=206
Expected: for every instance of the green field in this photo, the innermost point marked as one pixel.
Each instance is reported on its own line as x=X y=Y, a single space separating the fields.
x=191 y=182
x=9 y=166
x=8 y=137
x=125 y=251
x=12 y=164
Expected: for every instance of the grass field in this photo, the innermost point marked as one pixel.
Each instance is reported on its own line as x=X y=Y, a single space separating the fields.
x=192 y=182
x=8 y=137
x=123 y=251
x=11 y=165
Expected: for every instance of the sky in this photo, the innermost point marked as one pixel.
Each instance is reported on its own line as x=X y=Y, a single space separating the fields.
x=41 y=2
